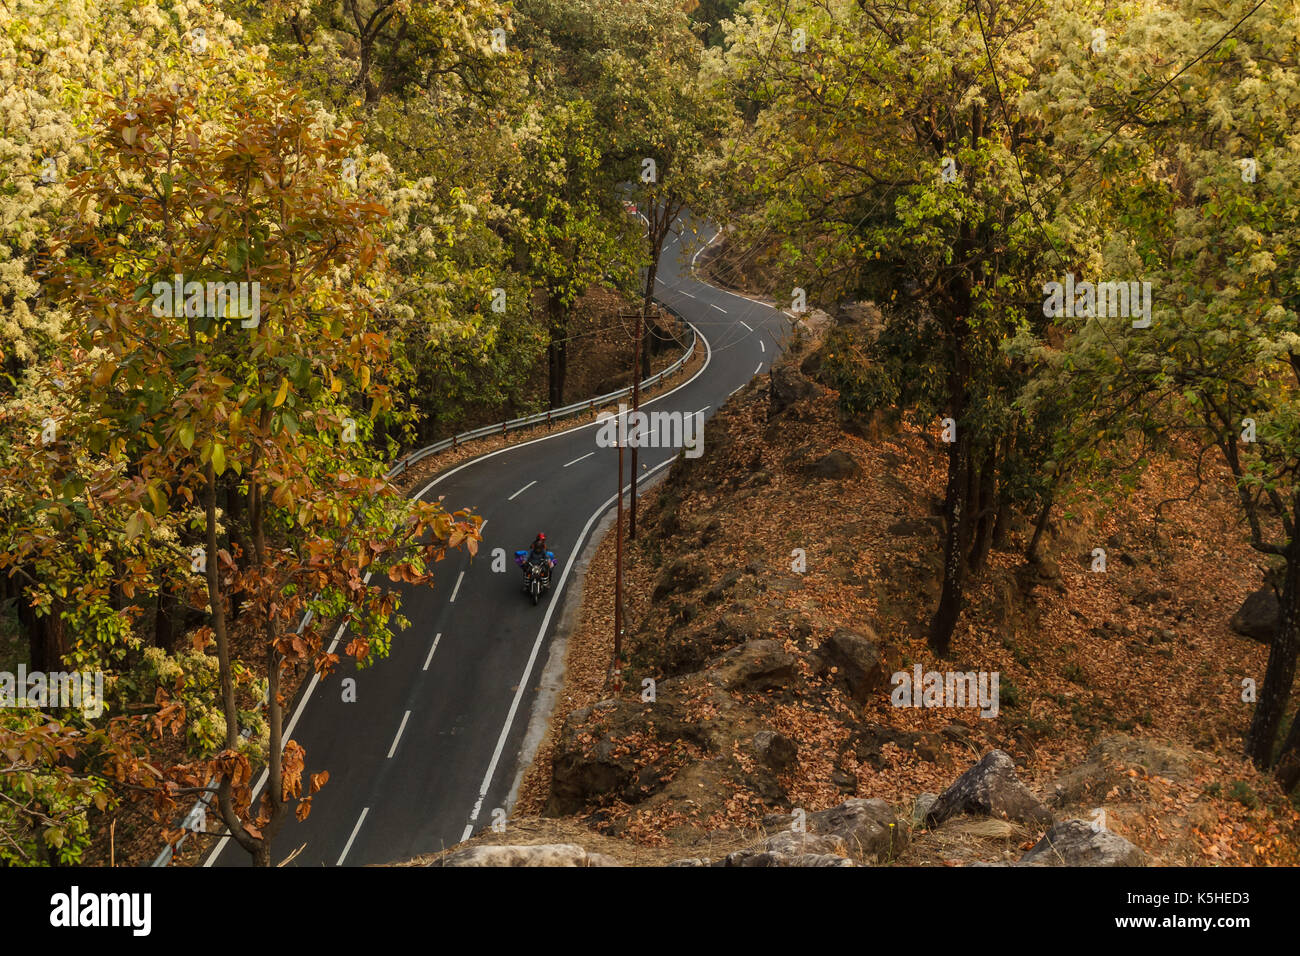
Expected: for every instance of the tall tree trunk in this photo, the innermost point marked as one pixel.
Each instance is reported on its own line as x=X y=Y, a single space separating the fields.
x=1288 y=762
x=274 y=793
x=164 y=619
x=44 y=632
x=225 y=789
x=646 y=305
x=956 y=509
x=556 y=350
x=956 y=534
x=985 y=510
x=1002 y=523
x=1278 y=677
x=1040 y=527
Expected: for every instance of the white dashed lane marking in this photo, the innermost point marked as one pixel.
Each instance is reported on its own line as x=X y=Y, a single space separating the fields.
x=393 y=749
x=437 y=637
x=348 y=845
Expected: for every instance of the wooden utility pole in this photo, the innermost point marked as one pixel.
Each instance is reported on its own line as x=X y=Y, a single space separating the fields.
x=636 y=405
x=618 y=571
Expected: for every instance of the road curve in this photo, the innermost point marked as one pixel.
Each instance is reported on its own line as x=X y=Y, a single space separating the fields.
x=431 y=745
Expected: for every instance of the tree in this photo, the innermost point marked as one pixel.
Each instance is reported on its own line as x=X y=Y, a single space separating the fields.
x=1197 y=164
x=568 y=226
x=888 y=153
x=177 y=389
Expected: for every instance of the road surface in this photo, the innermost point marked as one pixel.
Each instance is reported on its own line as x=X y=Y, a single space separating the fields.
x=432 y=744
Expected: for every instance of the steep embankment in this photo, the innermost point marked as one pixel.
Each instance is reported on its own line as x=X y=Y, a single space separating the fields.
x=778 y=581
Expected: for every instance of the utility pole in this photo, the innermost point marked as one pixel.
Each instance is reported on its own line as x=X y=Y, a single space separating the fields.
x=618 y=571
x=636 y=405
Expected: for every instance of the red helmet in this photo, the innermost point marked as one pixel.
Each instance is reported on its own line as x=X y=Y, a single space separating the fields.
x=540 y=536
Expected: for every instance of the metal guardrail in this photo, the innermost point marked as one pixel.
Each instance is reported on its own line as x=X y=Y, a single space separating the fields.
x=551 y=415
x=198 y=812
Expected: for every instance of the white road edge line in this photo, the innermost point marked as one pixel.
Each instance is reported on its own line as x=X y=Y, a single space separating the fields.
x=393 y=749
x=704 y=409
x=734 y=391
x=758 y=368
x=687 y=294
x=428 y=660
x=522 y=490
x=348 y=845
x=718 y=307
x=703 y=247
x=583 y=458
x=537 y=646
x=456 y=589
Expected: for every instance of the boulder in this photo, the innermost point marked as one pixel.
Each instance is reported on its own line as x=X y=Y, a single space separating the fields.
x=921 y=807
x=855 y=655
x=990 y=788
x=795 y=844
x=754 y=666
x=867 y=828
x=545 y=854
x=682 y=651
x=775 y=750
x=869 y=743
x=844 y=781
x=1077 y=843
x=1259 y=616
x=788 y=387
x=837 y=465
x=763 y=858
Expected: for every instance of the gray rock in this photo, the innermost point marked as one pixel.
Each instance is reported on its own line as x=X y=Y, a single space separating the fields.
x=775 y=750
x=1076 y=843
x=921 y=806
x=868 y=828
x=1259 y=616
x=755 y=665
x=990 y=788
x=856 y=657
x=762 y=858
x=794 y=844
x=545 y=854
x=844 y=781
x=788 y=386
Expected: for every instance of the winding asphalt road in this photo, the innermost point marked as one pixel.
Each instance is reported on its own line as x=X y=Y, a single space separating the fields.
x=432 y=744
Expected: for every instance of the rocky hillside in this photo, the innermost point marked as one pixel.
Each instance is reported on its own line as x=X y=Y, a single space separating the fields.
x=781 y=579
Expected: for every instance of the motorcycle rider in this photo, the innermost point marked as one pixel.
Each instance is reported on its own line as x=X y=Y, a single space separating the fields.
x=541 y=555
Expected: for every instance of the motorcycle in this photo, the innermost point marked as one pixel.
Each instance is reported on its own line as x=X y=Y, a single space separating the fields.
x=537 y=573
